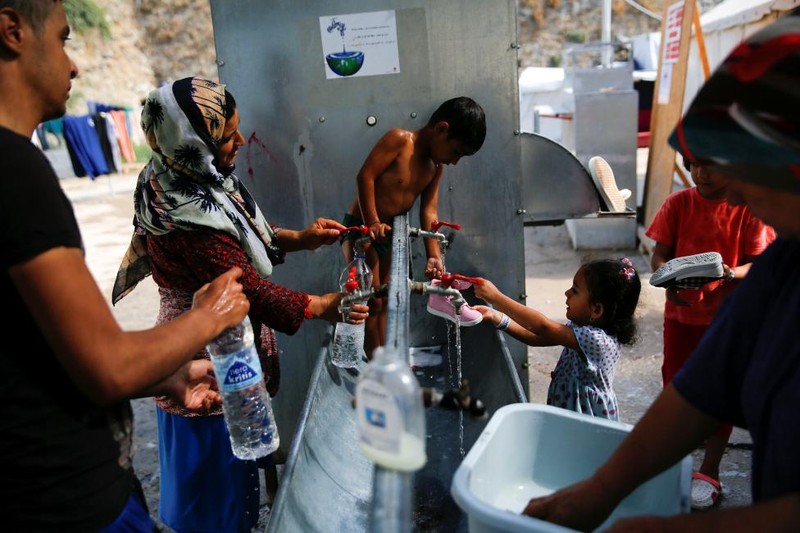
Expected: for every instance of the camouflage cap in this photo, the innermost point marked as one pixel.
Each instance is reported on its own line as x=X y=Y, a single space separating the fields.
x=746 y=117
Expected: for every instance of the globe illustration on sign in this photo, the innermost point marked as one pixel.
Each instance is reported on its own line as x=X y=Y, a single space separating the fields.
x=344 y=63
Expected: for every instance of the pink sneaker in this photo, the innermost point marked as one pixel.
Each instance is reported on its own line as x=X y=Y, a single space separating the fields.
x=441 y=306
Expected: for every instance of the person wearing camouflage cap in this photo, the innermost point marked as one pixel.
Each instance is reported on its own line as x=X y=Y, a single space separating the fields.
x=745 y=123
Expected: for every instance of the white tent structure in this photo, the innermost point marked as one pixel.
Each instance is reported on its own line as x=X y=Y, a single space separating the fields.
x=724 y=27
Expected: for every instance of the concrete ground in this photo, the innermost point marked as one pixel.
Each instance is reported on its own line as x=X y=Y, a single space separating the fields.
x=104 y=211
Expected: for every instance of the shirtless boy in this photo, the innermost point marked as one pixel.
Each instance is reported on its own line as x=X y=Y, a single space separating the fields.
x=402 y=166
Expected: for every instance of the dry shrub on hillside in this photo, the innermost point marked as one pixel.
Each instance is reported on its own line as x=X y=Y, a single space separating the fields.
x=540 y=8
x=537 y=9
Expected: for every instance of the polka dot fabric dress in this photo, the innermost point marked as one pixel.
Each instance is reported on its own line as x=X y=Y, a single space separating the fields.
x=583 y=382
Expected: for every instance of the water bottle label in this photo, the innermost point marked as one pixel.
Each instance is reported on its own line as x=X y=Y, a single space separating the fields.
x=379 y=424
x=238 y=370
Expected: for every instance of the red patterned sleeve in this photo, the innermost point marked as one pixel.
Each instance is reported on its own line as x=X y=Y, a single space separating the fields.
x=190 y=259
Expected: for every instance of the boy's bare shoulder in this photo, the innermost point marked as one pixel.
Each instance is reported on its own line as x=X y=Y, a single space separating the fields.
x=394 y=141
x=399 y=136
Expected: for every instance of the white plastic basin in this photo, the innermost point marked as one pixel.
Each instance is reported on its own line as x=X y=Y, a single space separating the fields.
x=529 y=450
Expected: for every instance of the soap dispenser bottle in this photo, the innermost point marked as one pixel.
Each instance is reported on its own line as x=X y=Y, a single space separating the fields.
x=390 y=411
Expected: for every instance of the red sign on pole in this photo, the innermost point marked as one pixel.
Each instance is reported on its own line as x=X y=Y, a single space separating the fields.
x=672 y=45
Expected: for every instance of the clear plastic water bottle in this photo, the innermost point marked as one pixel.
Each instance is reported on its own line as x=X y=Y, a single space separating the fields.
x=347 y=348
x=348 y=345
x=357 y=270
x=391 y=414
x=245 y=401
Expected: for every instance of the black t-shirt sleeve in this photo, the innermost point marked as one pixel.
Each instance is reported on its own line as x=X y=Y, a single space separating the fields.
x=34 y=212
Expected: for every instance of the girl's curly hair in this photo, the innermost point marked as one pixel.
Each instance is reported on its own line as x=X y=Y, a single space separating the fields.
x=615 y=284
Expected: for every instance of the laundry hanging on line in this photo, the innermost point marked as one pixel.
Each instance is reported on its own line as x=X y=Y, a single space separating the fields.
x=98 y=143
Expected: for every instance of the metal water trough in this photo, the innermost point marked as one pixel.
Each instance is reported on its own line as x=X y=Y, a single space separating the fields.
x=326 y=470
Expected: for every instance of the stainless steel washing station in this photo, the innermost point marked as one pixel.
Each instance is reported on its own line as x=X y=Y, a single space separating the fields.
x=328 y=485
x=307 y=135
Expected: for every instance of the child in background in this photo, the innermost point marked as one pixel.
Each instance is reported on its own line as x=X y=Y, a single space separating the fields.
x=600 y=316
x=693 y=221
x=402 y=166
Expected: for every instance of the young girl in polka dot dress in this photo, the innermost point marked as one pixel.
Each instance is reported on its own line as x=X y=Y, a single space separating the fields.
x=600 y=316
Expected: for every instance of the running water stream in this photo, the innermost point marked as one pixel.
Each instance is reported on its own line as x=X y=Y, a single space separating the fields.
x=453 y=380
x=459 y=379
x=454 y=346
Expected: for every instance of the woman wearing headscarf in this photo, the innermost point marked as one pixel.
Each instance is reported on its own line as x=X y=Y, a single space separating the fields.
x=193 y=220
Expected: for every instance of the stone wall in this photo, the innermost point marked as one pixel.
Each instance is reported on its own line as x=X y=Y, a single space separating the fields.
x=178 y=37
x=115 y=71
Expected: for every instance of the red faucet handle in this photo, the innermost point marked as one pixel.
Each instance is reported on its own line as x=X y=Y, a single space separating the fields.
x=438 y=224
x=363 y=230
x=448 y=279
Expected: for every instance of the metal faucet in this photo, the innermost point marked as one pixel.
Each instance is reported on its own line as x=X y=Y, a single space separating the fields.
x=359 y=295
x=419 y=287
x=417 y=232
x=434 y=233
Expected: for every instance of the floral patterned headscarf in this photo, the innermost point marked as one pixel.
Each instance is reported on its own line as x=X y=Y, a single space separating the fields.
x=180 y=188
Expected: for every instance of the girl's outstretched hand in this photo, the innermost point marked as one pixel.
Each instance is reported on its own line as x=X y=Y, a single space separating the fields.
x=490 y=316
x=485 y=290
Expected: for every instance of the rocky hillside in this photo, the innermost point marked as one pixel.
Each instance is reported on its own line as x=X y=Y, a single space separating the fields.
x=155 y=40
x=545 y=27
x=151 y=41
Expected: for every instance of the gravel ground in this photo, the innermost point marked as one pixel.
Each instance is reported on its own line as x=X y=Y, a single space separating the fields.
x=104 y=211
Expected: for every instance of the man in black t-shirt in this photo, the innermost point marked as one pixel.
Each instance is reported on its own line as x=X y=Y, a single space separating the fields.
x=67 y=367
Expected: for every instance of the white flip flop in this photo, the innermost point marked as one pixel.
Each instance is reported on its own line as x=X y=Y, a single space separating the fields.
x=700 y=268
x=603 y=178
